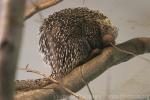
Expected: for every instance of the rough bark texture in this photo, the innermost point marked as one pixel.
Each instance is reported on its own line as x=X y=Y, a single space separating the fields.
x=92 y=69
x=10 y=38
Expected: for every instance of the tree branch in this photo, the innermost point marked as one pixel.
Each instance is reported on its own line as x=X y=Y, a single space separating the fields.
x=11 y=24
x=38 y=6
x=92 y=69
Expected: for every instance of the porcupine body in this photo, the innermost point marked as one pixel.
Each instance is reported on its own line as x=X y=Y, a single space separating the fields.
x=69 y=36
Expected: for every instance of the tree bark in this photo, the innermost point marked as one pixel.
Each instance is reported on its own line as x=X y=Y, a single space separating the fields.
x=10 y=39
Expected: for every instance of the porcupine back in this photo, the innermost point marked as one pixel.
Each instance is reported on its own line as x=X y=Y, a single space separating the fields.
x=68 y=37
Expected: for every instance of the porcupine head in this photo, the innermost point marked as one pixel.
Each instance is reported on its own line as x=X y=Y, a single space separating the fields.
x=69 y=37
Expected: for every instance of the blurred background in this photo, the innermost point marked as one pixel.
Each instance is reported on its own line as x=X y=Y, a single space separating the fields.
x=126 y=81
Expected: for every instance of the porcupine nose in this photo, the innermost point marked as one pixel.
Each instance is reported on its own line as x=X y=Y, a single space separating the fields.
x=108 y=39
x=110 y=36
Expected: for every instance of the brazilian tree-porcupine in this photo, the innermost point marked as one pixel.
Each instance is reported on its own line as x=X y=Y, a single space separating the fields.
x=69 y=38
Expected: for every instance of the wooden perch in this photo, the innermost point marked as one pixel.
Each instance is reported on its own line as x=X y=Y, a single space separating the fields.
x=38 y=6
x=92 y=69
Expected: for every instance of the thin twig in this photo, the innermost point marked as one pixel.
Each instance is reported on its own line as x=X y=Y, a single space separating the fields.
x=73 y=93
x=27 y=69
x=124 y=51
x=32 y=71
x=108 y=85
x=92 y=96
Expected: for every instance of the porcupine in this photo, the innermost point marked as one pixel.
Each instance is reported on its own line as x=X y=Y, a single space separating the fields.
x=71 y=36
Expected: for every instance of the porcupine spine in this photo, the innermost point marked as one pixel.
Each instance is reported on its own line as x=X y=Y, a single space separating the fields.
x=69 y=36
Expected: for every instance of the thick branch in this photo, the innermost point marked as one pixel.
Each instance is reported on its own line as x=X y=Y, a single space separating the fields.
x=38 y=6
x=92 y=69
x=10 y=38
